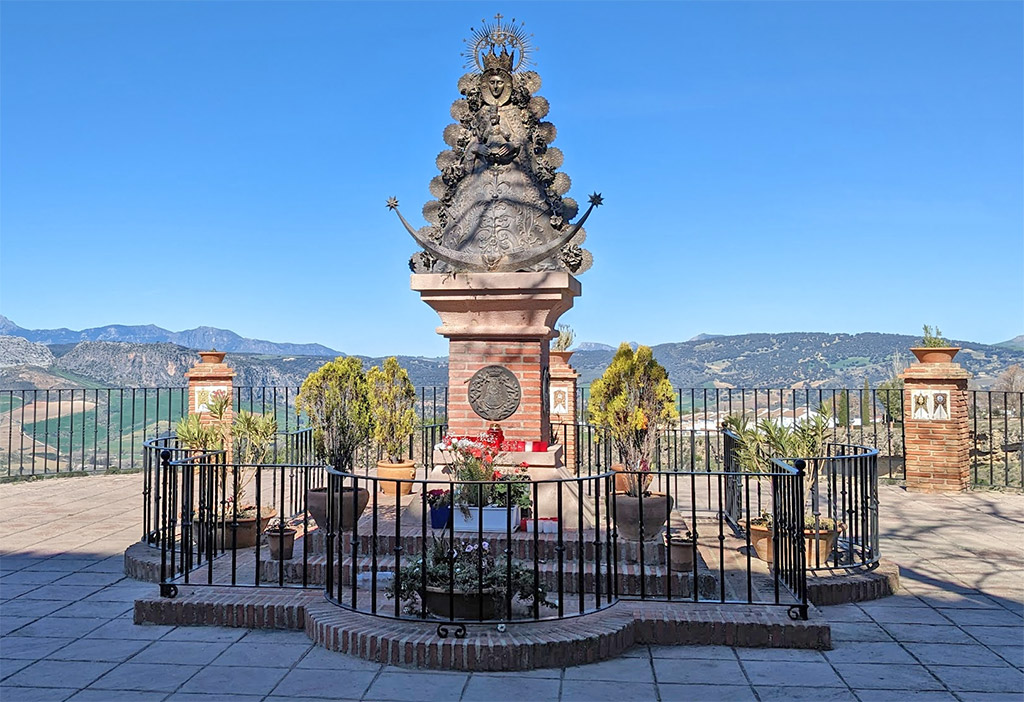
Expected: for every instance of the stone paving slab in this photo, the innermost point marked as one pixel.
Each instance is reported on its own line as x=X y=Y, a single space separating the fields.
x=955 y=631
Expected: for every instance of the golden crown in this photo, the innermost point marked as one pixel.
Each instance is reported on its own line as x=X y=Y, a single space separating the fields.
x=502 y=61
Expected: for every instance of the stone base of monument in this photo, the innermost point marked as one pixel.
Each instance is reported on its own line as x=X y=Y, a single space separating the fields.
x=544 y=466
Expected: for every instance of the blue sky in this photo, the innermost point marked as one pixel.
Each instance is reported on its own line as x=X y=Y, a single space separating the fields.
x=770 y=166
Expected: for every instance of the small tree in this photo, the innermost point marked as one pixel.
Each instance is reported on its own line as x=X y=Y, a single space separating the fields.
x=630 y=401
x=890 y=391
x=254 y=436
x=1010 y=380
x=843 y=415
x=392 y=402
x=334 y=397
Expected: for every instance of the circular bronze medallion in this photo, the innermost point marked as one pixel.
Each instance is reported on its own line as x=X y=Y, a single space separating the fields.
x=494 y=393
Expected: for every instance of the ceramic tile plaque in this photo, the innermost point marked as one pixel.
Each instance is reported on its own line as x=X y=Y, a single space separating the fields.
x=202 y=395
x=929 y=405
x=559 y=401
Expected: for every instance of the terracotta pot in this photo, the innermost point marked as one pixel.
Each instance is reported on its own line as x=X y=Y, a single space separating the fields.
x=681 y=552
x=389 y=472
x=563 y=356
x=316 y=503
x=819 y=545
x=461 y=605
x=282 y=545
x=627 y=515
x=226 y=537
x=935 y=354
x=763 y=541
x=212 y=356
x=621 y=479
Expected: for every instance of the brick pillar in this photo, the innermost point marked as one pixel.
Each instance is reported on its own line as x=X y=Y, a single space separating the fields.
x=936 y=427
x=562 y=402
x=498 y=319
x=210 y=375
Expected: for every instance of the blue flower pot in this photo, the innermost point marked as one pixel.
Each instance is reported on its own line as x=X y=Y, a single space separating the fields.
x=439 y=516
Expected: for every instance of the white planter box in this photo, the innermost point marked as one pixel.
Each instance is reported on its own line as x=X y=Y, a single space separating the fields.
x=495 y=519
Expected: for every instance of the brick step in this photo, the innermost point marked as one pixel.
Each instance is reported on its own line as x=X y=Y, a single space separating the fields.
x=567 y=642
x=656 y=579
x=522 y=544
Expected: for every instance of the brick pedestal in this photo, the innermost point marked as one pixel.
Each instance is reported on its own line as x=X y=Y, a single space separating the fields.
x=562 y=401
x=208 y=376
x=504 y=319
x=936 y=427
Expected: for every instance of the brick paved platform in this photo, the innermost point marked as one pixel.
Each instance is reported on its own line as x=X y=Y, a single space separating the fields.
x=954 y=631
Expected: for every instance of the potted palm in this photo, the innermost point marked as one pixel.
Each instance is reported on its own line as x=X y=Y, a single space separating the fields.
x=630 y=402
x=249 y=440
x=392 y=400
x=335 y=400
x=806 y=442
x=934 y=348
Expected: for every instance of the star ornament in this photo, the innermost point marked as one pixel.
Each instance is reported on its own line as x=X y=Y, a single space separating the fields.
x=392 y=203
x=596 y=200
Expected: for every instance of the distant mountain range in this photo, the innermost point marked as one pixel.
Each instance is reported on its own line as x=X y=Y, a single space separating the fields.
x=1016 y=342
x=198 y=338
x=792 y=359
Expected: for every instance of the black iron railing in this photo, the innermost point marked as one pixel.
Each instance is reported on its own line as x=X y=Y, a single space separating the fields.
x=587 y=546
x=840 y=503
x=207 y=535
x=59 y=431
x=997 y=437
x=49 y=432
x=584 y=544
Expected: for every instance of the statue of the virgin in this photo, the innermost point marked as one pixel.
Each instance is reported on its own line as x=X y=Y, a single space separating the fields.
x=500 y=199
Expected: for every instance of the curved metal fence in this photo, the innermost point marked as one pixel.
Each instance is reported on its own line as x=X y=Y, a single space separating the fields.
x=430 y=549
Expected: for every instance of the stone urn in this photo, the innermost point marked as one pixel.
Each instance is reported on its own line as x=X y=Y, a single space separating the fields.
x=212 y=356
x=656 y=507
x=281 y=543
x=682 y=550
x=935 y=354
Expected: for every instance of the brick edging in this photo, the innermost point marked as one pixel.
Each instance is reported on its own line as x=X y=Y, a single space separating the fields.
x=516 y=646
x=247 y=608
x=142 y=562
x=843 y=588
